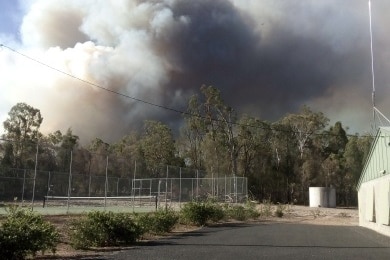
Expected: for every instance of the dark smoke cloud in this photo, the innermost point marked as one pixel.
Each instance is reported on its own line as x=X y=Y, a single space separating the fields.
x=267 y=57
x=276 y=75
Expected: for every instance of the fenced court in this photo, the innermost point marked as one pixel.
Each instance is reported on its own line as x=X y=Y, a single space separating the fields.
x=62 y=193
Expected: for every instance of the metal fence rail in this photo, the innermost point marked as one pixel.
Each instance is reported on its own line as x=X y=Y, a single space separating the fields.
x=183 y=185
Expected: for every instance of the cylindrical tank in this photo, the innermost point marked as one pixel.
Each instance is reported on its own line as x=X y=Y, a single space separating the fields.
x=322 y=197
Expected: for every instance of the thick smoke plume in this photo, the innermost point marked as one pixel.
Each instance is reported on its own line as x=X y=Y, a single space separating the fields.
x=268 y=58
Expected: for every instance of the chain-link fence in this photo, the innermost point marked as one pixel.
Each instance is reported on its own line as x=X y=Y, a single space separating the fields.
x=29 y=186
x=85 y=178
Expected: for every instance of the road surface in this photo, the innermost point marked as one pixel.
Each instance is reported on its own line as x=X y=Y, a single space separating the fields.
x=265 y=241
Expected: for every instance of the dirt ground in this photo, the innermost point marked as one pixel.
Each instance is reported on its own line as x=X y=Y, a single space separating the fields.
x=320 y=216
x=292 y=214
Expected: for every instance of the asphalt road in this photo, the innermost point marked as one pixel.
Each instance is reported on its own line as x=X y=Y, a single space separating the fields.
x=266 y=241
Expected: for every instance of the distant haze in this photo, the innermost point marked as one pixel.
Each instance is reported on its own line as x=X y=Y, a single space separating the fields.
x=268 y=58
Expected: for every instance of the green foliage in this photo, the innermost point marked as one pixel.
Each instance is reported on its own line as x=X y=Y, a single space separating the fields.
x=242 y=212
x=266 y=208
x=251 y=210
x=280 y=209
x=280 y=159
x=100 y=229
x=159 y=222
x=22 y=128
x=25 y=233
x=236 y=212
x=199 y=213
x=157 y=145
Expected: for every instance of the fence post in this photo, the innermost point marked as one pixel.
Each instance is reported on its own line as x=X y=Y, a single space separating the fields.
x=133 y=184
x=117 y=187
x=106 y=184
x=69 y=182
x=35 y=176
x=166 y=188
x=212 y=182
x=158 y=191
x=180 y=187
x=89 y=184
x=225 y=188
x=48 y=184
x=197 y=184
x=24 y=181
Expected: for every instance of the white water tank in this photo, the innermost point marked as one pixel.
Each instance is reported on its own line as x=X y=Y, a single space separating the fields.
x=322 y=197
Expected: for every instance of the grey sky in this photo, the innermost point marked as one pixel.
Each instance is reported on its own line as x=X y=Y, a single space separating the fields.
x=268 y=57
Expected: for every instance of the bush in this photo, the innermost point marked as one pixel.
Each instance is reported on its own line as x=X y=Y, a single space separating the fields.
x=101 y=229
x=164 y=221
x=251 y=210
x=279 y=212
x=160 y=222
x=144 y=222
x=236 y=212
x=266 y=209
x=242 y=213
x=199 y=213
x=25 y=233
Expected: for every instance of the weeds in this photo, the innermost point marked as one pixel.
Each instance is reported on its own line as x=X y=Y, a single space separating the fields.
x=266 y=209
x=280 y=209
x=316 y=213
x=343 y=215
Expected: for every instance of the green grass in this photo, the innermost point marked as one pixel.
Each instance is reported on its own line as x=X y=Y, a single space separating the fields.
x=79 y=210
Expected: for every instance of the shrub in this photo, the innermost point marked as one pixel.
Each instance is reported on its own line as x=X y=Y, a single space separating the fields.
x=251 y=210
x=236 y=212
x=279 y=212
x=164 y=221
x=144 y=222
x=240 y=212
x=199 y=213
x=159 y=222
x=25 y=233
x=266 y=208
x=217 y=213
x=100 y=229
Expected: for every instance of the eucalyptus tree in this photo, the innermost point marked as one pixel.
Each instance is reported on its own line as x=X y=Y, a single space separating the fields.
x=255 y=156
x=193 y=133
x=67 y=143
x=128 y=152
x=353 y=158
x=334 y=140
x=284 y=162
x=22 y=130
x=210 y=135
x=98 y=151
x=356 y=151
x=157 y=146
x=7 y=155
x=48 y=151
x=221 y=121
x=215 y=156
x=304 y=127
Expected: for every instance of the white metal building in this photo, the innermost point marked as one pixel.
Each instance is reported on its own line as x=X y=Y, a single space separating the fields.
x=374 y=185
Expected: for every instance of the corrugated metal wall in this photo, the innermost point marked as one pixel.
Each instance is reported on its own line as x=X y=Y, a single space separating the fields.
x=378 y=162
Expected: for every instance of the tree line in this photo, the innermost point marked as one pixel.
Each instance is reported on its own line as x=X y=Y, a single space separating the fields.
x=281 y=159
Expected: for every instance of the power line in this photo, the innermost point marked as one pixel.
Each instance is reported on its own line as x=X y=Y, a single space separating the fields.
x=88 y=82
x=110 y=90
x=150 y=103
